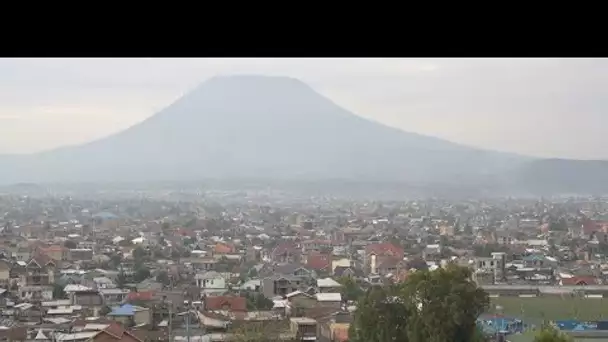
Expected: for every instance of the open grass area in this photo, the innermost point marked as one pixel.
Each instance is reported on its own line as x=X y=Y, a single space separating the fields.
x=535 y=310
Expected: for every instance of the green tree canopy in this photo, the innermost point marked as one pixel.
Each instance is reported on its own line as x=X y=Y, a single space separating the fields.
x=350 y=289
x=445 y=304
x=550 y=334
x=381 y=316
x=58 y=292
x=163 y=278
x=139 y=253
x=141 y=273
x=430 y=306
x=258 y=302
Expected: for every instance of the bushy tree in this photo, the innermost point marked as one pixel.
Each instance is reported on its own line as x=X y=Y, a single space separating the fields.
x=141 y=273
x=58 y=292
x=70 y=244
x=163 y=278
x=381 y=316
x=445 y=304
x=350 y=289
x=258 y=302
x=430 y=306
x=550 y=334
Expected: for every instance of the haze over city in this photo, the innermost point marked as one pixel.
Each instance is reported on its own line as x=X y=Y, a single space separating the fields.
x=534 y=107
x=291 y=200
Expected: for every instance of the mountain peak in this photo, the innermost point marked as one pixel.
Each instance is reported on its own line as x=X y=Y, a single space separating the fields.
x=257 y=126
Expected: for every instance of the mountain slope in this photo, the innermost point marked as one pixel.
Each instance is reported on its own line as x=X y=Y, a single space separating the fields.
x=259 y=127
x=564 y=176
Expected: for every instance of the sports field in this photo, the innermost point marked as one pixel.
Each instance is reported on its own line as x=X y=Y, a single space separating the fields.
x=535 y=310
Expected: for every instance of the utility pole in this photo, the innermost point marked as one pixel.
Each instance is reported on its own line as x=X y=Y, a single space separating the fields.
x=188 y=322
x=170 y=324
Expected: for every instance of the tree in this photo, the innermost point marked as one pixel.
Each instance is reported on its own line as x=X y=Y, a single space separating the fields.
x=58 y=292
x=70 y=244
x=262 y=331
x=165 y=226
x=121 y=279
x=253 y=272
x=350 y=288
x=188 y=241
x=436 y=306
x=163 y=278
x=467 y=230
x=139 y=254
x=141 y=273
x=115 y=260
x=258 y=302
x=444 y=305
x=104 y=310
x=550 y=334
x=381 y=316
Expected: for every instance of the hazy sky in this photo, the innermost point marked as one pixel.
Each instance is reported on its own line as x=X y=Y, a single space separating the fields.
x=542 y=107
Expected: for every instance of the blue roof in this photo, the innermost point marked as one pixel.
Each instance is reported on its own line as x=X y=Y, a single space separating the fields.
x=105 y=215
x=125 y=310
x=534 y=257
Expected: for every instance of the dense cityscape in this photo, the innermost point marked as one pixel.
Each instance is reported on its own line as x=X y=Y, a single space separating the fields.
x=218 y=265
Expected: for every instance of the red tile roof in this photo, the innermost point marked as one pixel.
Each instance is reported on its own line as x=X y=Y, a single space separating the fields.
x=229 y=303
x=318 y=261
x=140 y=296
x=223 y=248
x=580 y=280
x=284 y=247
x=385 y=248
x=118 y=332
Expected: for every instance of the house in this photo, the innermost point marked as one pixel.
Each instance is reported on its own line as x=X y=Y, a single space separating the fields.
x=299 y=299
x=280 y=285
x=580 y=281
x=223 y=248
x=304 y=328
x=140 y=296
x=537 y=261
x=55 y=252
x=113 y=333
x=39 y=271
x=113 y=296
x=5 y=273
x=390 y=265
x=225 y=303
x=80 y=254
x=350 y=272
x=91 y=301
x=318 y=262
x=287 y=252
x=329 y=300
x=432 y=252
x=328 y=285
x=128 y=314
x=343 y=262
x=211 y=282
x=376 y=253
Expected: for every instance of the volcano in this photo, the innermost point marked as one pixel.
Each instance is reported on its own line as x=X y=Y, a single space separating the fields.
x=261 y=127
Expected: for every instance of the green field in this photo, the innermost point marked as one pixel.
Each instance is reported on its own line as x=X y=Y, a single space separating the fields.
x=535 y=310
